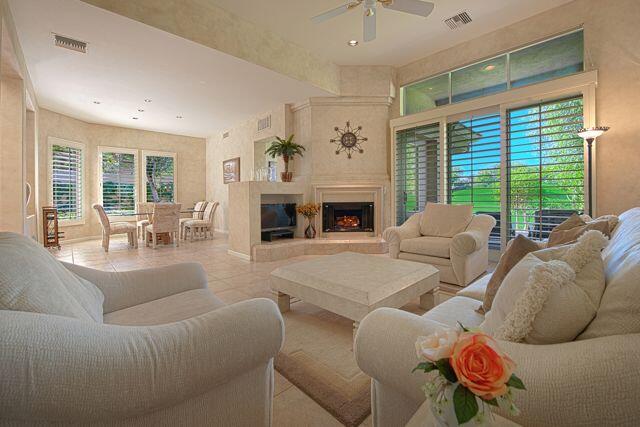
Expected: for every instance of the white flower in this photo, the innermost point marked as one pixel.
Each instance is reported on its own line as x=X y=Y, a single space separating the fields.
x=436 y=346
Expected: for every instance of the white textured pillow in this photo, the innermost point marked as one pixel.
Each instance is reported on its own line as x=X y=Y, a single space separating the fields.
x=443 y=220
x=551 y=295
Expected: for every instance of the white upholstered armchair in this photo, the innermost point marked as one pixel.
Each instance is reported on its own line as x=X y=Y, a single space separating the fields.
x=449 y=237
x=138 y=348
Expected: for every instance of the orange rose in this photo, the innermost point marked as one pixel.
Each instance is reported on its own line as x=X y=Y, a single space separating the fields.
x=480 y=365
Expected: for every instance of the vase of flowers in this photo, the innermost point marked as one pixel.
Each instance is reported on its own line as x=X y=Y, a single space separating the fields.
x=286 y=149
x=468 y=374
x=309 y=211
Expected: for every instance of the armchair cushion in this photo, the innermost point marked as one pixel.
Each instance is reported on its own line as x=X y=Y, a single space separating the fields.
x=427 y=245
x=444 y=220
x=32 y=280
x=173 y=308
x=454 y=310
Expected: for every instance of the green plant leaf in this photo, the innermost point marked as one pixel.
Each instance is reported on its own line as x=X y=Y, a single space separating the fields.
x=516 y=382
x=492 y=402
x=465 y=404
x=464 y=329
x=446 y=370
x=425 y=366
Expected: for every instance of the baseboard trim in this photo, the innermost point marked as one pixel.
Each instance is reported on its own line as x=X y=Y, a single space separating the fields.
x=239 y=255
x=80 y=239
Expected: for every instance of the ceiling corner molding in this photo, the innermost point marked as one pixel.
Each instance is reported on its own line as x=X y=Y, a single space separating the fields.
x=350 y=101
x=214 y=27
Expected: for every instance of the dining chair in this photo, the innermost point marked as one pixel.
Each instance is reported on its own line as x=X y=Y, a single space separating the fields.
x=165 y=219
x=197 y=214
x=202 y=227
x=143 y=221
x=110 y=228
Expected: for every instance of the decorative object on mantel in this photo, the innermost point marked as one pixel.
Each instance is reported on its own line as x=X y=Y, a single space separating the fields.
x=468 y=374
x=231 y=170
x=348 y=139
x=309 y=211
x=286 y=149
x=590 y=135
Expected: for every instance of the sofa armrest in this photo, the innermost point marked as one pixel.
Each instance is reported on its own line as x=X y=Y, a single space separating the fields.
x=409 y=230
x=475 y=237
x=578 y=383
x=128 y=288
x=60 y=369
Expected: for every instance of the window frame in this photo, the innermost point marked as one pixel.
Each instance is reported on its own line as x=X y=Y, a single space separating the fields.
x=136 y=180
x=143 y=176
x=576 y=84
x=51 y=141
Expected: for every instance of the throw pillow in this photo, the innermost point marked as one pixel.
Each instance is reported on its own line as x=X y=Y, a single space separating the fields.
x=515 y=251
x=574 y=227
x=442 y=220
x=32 y=280
x=551 y=295
x=611 y=219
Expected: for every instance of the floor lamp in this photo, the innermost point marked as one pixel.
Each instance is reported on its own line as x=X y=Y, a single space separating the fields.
x=590 y=135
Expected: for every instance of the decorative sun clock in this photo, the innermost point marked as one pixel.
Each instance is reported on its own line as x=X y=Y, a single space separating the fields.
x=348 y=140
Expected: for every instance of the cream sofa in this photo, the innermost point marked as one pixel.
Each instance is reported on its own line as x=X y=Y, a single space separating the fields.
x=592 y=381
x=460 y=259
x=160 y=350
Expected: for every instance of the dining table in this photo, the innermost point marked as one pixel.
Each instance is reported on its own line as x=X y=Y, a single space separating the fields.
x=165 y=238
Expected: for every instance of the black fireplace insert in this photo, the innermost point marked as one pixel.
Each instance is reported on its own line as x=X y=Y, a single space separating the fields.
x=347 y=217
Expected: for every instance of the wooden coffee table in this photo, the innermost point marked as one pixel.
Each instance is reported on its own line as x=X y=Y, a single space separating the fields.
x=352 y=284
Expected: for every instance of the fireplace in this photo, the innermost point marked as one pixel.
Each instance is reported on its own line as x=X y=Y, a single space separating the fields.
x=348 y=217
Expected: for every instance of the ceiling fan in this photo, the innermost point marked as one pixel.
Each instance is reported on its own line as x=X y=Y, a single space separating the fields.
x=414 y=7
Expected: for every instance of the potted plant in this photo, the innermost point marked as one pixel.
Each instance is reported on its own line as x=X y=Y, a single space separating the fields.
x=286 y=149
x=309 y=211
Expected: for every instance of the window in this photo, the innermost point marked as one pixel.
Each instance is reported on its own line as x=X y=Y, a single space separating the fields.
x=118 y=172
x=545 y=166
x=159 y=178
x=473 y=148
x=66 y=179
x=417 y=169
x=557 y=57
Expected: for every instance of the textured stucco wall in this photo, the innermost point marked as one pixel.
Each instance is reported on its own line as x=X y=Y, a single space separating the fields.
x=611 y=34
x=190 y=173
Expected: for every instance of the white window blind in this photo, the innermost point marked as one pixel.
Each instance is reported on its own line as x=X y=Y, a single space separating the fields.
x=118 y=182
x=66 y=180
x=545 y=166
x=160 y=178
x=473 y=149
x=417 y=169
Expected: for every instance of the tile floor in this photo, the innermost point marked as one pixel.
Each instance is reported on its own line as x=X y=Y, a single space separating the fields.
x=231 y=279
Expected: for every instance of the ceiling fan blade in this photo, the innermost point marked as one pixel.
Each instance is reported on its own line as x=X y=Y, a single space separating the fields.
x=334 y=12
x=369 y=25
x=415 y=7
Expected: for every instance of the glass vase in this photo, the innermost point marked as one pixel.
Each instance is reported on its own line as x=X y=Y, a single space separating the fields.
x=310 y=231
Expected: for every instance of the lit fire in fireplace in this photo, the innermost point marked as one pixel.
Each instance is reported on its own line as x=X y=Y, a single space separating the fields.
x=349 y=221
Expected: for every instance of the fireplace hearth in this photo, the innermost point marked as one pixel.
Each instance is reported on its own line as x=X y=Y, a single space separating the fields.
x=344 y=217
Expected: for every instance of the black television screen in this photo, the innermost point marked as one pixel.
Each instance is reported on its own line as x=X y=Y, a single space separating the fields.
x=278 y=215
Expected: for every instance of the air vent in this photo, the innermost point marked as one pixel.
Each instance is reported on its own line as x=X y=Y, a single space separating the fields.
x=225 y=135
x=458 y=20
x=264 y=123
x=69 y=43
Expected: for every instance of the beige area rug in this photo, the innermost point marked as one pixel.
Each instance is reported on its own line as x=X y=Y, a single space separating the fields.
x=318 y=359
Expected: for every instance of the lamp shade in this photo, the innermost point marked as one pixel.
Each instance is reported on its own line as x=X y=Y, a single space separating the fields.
x=592 y=132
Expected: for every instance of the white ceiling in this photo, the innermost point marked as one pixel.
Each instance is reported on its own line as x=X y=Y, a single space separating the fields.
x=402 y=38
x=128 y=62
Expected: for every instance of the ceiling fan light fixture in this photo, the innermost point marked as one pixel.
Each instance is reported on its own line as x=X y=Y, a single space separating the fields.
x=353 y=43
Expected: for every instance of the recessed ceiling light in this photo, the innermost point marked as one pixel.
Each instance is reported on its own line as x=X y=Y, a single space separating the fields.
x=140 y=110
x=134 y=118
x=178 y=117
x=489 y=67
x=353 y=43
x=97 y=102
x=147 y=100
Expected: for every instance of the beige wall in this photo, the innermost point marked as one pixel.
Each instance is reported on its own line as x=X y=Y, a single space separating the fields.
x=190 y=152
x=612 y=47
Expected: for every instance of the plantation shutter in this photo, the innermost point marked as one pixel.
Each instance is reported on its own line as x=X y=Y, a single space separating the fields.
x=417 y=169
x=66 y=181
x=545 y=166
x=159 y=177
x=119 y=183
x=473 y=147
